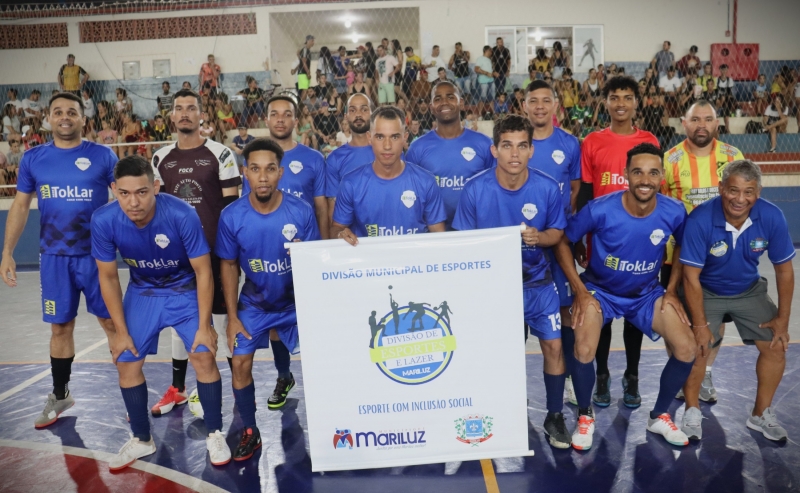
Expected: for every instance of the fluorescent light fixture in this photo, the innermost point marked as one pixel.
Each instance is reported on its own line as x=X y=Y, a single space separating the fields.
x=347 y=23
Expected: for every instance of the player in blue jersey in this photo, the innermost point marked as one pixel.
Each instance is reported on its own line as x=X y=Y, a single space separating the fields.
x=355 y=153
x=558 y=154
x=630 y=229
x=161 y=239
x=251 y=235
x=70 y=178
x=512 y=194
x=304 y=168
x=388 y=196
x=451 y=152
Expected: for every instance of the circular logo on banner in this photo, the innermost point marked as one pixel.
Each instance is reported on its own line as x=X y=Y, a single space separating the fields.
x=412 y=344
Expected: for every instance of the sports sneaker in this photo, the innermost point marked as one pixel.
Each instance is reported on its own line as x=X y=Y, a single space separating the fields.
x=556 y=430
x=630 y=389
x=570 y=390
x=218 y=450
x=602 y=396
x=53 y=408
x=692 y=423
x=194 y=404
x=282 y=388
x=582 y=438
x=768 y=425
x=131 y=451
x=172 y=397
x=707 y=391
x=664 y=426
x=250 y=442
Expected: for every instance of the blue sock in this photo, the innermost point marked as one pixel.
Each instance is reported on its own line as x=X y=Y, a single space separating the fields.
x=282 y=358
x=554 y=388
x=568 y=345
x=136 y=404
x=246 y=402
x=211 y=399
x=583 y=381
x=672 y=379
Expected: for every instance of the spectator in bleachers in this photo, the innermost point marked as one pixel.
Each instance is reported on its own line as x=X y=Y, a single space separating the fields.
x=649 y=79
x=330 y=145
x=761 y=95
x=254 y=106
x=413 y=64
x=483 y=67
x=207 y=127
x=434 y=60
x=663 y=60
x=501 y=65
x=500 y=106
x=89 y=110
x=601 y=73
x=470 y=121
x=370 y=69
x=580 y=117
x=330 y=116
x=540 y=63
x=304 y=67
x=11 y=123
x=123 y=103
x=105 y=111
x=533 y=74
x=8 y=170
x=158 y=132
x=14 y=154
x=107 y=135
x=31 y=137
x=692 y=92
x=776 y=119
x=4 y=175
x=224 y=116
x=306 y=133
x=32 y=109
x=424 y=116
x=515 y=104
x=14 y=102
x=186 y=85
x=387 y=68
x=797 y=101
x=359 y=86
x=592 y=87
x=727 y=102
x=707 y=75
x=711 y=94
x=441 y=76
x=129 y=134
x=459 y=64
x=612 y=71
x=324 y=88
x=239 y=142
x=414 y=132
x=350 y=78
x=341 y=79
x=568 y=90
x=689 y=61
x=396 y=51
x=209 y=75
x=559 y=60
x=421 y=88
x=71 y=77
x=165 y=99
x=326 y=66
x=671 y=85
x=655 y=119
x=402 y=106
x=344 y=135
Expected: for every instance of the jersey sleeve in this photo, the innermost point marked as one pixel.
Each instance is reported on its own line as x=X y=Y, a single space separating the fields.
x=26 y=183
x=154 y=163
x=344 y=210
x=586 y=162
x=669 y=179
x=319 y=178
x=780 y=248
x=555 y=210
x=680 y=225
x=310 y=229
x=434 y=207
x=226 y=246
x=103 y=248
x=332 y=177
x=194 y=240
x=581 y=223
x=694 y=246
x=414 y=154
x=228 y=171
x=466 y=216
x=111 y=160
x=575 y=171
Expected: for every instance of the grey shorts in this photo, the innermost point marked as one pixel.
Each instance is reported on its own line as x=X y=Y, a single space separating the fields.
x=747 y=309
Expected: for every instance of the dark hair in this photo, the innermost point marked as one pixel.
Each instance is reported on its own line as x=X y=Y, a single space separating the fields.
x=511 y=123
x=122 y=91
x=486 y=47
x=134 y=165
x=499 y=38
x=434 y=47
x=396 y=46
x=539 y=84
x=85 y=89
x=693 y=49
x=388 y=113
x=262 y=144
x=13 y=91
x=165 y=82
x=621 y=82
x=186 y=93
x=458 y=43
x=645 y=148
x=67 y=95
x=540 y=53
x=557 y=46
x=158 y=115
x=724 y=65
x=668 y=42
x=283 y=98
x=445 y=83
x=441 y=69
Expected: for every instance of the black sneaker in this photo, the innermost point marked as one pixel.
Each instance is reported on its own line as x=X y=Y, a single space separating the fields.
x=556 y=430
x=602 y=396
x=250 y=442
x=282 y=388
x=630 y=389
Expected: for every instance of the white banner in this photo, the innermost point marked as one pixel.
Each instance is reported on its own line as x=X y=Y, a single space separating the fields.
x=412 y=348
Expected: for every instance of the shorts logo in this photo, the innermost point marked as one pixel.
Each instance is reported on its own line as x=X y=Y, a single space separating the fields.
x=372 y=229
x=408 y=198
x=759 y=245
x=343 y=439
x=289 y=231
x=70 y=193
x=636 y=267
x=656 y=236
x=202 y=162
x=558 y=156
x=162 y=240
x=44 y=191
x=131 y=262
x=224 y=156
x=296 y=166
x=612 y=262
x=686 y=173
x=474 y=429
x=468 y=153
x=529 y=211
x=719 y=249
x=280 y=267
x=612 y=179
x=256 y=265
x=49 y=307
x=170 y=164
x=82 y=163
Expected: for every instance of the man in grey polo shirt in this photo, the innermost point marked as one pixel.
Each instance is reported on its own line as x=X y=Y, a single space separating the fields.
x=722 y=243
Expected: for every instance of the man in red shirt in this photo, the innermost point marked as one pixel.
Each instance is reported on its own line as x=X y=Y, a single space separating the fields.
x=209 y=75
x=603 y=157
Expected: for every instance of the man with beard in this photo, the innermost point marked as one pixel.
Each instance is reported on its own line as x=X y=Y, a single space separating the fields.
x=629 y=231
x=304 y=173
x=251 y=234
x=70 y=178
x=355 y=153
x=453 y=154
x=692 y=172
x=202 y=173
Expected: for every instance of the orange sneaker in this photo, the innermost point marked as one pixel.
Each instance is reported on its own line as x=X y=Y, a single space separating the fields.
x=172 y=397
x=582 y=437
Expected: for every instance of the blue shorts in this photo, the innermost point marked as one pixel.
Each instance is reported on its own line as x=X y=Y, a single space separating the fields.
x=542 y=313
x=639 y=310
x=147 y=316
x=565 y=296
x=258 y=325
x=62 y=279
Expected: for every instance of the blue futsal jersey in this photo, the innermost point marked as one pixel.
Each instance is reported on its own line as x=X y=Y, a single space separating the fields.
x=70 y=185
x=373 y=206
x=452 y=162
x=560 y=157
x=303 y=174
x=158 y=254
x=256 y=240
x=486 y=204
x=342 y=161
x=627 y=251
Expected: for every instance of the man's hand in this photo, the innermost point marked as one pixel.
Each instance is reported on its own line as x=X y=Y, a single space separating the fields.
x=580 y=254
x=120 y=344
x=206 y=336
x=495 y=74
x=530 y=235
x=8 y=270
x=780 y=332
x=671 y=298
x=296 y=240
x=348 y=236
x=235 y=327
x=703 y=337
x=583 y=300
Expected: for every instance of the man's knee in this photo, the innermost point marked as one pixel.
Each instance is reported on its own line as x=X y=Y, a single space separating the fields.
x=203 y=363
x=684 y=348
x=774 y=354
x=63 y=330
x=551 y=349
x=584 y=350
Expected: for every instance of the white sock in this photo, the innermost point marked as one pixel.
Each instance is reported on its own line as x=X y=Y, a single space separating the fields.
x=178 y=349
x=708 y=368
x=221 y=326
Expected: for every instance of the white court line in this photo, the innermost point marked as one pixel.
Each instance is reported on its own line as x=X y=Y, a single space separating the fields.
x=8 y=393
x=180 y=478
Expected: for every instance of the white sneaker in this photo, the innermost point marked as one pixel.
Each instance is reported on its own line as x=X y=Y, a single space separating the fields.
x=570 y=390
x=582 y=438
x=194 y=404
x=664 y=426
x=131 y=451
x=692 y=423
x=218 y=450
x=768 y=425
